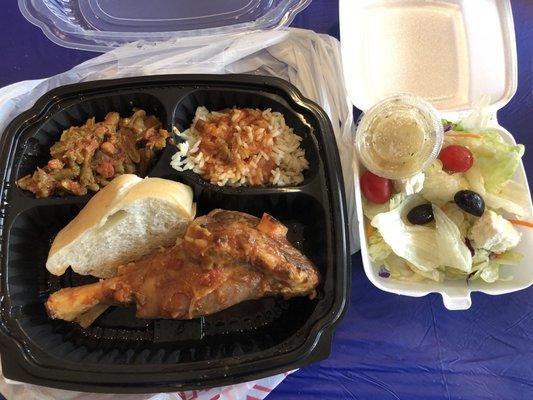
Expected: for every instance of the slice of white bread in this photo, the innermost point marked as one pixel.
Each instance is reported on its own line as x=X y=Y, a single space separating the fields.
x=129 y=218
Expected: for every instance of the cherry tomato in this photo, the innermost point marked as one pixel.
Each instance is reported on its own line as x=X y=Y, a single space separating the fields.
x=375 y=188
x=456 y=158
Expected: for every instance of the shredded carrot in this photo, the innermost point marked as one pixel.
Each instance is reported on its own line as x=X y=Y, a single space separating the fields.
x=522 y=223
x=369 y=229
x=464 y=135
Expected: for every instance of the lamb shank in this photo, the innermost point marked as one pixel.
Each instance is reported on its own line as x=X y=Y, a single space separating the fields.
x=225 y=257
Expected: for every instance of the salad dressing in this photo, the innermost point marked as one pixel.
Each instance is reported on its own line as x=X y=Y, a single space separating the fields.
x=399 y=137
x=395 y=142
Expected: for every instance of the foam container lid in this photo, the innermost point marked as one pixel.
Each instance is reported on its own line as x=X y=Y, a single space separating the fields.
x=450 y=52
x=99 y=25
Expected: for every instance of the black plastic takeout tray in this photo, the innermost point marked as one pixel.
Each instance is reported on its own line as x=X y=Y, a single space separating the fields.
x=120 y=353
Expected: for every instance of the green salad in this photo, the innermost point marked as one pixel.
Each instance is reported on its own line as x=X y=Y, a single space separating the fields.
x=457 y=219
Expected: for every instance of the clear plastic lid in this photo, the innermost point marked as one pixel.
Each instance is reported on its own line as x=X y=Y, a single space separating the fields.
x=100 y=25
x=450 y=52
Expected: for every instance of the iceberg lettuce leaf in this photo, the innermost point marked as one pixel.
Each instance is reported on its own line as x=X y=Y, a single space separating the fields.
x=426 y=247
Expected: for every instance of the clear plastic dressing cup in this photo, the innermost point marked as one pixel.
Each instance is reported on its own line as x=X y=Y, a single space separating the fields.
x=399 y=136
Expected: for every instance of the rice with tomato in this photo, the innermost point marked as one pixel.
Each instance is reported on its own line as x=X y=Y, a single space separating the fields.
x=241 y=147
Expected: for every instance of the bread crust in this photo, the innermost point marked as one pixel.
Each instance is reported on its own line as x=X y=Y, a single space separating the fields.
x=121 y=192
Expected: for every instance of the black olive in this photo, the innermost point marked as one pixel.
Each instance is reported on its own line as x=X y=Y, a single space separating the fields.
x=421 y=215
x=470 y=201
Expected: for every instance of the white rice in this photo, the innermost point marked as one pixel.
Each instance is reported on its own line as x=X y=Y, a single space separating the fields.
x=286 y=153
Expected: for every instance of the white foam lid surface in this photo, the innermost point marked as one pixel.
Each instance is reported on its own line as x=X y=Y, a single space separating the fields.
x=450 y=52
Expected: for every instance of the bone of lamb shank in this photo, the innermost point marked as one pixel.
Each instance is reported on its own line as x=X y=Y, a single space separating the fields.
x=226 y=257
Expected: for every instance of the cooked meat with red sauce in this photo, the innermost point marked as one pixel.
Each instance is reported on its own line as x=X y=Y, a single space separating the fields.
x=226 y=257
x=88 y=157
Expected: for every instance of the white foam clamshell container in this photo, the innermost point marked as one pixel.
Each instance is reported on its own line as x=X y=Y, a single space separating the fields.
x=451 y=52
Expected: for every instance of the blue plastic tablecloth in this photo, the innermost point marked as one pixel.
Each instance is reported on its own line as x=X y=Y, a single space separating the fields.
x=388 y=346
